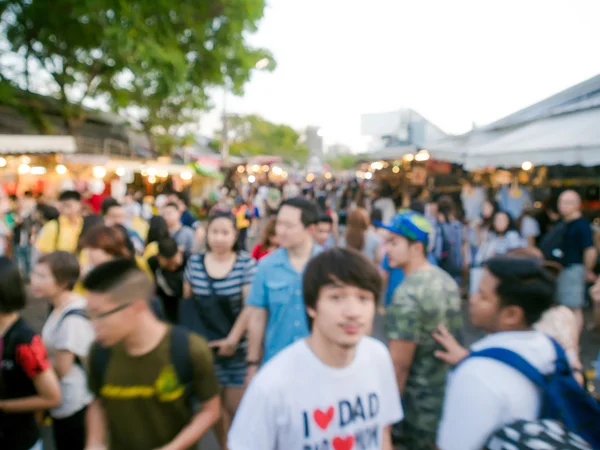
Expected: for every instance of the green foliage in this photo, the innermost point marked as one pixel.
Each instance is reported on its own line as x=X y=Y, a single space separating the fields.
x=154 y=59
x=252 y=135
x=342 y=162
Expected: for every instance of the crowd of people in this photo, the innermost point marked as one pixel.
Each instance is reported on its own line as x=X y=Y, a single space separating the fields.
x=163 y=327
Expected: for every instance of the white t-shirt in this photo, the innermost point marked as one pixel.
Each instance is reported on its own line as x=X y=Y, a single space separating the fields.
x=76 y=335
x=387 y=207
x=483 y=394
x=529 y=227
x=296 y=402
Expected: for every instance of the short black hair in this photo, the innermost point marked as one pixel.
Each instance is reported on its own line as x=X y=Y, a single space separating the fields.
x=182 y=197
x=107 y=204
x=172 y=205
x=523 y=282
x=308 y=209
x=64 y=267
x=120 y=277
x=12 y=287
x=345 y=265
x=376 y=215
x=69 y=195
x=324 y=219
x=417 y=206
x=167 y=248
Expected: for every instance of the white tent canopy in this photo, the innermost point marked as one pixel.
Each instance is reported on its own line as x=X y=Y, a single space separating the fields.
x=567 y=139
x=17 y=144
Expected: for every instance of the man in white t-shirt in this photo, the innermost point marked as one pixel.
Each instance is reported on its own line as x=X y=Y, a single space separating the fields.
x=335 y=389
x=483 y=394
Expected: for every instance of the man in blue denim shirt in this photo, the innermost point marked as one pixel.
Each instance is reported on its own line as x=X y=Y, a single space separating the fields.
x=275 y=303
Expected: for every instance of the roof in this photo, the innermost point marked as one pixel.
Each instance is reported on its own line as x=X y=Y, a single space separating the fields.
x=573 y=98
x=14 y=144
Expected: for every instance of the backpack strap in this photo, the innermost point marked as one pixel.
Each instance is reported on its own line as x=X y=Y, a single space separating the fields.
x=77 y=313
x=100 y=357
x=180 y=356
x=562 y=362
x=513 y=360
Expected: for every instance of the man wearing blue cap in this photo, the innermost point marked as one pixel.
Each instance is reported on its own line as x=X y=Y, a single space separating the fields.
x=428 y=297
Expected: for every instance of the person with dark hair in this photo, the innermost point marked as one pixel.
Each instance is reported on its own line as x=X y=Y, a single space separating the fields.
x=484 y=394
x=427 y=297
x=67 y=335
x=502 y=237
x=168 y=267
x=343 y=390
x=27 y=382
x=184 y=235
x=275 y=301
x=324 y=232
x=182 y=201
x=157 y=232
x=63 y=233
x=268 y=242
x=114 y=214
x=223 y=273
x=142 y=371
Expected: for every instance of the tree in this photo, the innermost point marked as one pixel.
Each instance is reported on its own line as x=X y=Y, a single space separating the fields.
x=252 y=135
x=342 y=162
x=153 y=59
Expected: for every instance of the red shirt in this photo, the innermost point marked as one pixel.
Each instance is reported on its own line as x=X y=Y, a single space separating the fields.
x=258 y=252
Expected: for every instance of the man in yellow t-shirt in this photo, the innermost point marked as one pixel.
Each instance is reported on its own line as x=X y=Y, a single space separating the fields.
x=63 y=233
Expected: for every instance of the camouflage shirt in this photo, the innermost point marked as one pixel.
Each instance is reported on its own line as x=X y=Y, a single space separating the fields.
x=424 y=300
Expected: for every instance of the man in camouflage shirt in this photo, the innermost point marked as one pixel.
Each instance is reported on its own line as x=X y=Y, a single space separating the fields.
x=428 y=297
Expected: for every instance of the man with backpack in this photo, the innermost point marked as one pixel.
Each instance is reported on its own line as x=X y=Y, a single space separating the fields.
x=63 y=233
x=515 y=373
x=146 y=375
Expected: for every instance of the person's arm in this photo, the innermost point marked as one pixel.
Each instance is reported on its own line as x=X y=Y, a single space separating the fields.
x=257 y=325
x=386 y=440
x=207 y=391
x=47 y=395
x=402 y=353
x=95 y=426
x=590 y=257
x=209 y=413
x=63 y=361
x=403 y=321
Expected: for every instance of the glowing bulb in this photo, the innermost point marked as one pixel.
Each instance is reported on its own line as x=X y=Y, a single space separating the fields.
x=163 y=173
x=241 y=169
x=151 y=172
x=186 y=176
x=120 y=172
x=310 y=177
x=61 y=170
x=284 y=174
x=251 y=178
x=99 y=172
x=328 y=175
x=396 y=169
x=277 y=170
x=255 y=168
x=527 y=165
x=368 y=175
x=423 y=155
x=265 y=168
x=26 y=160
x=2 y=162
x=38 y=170
x=151 y=179
x=408 y=157
x=23 y=169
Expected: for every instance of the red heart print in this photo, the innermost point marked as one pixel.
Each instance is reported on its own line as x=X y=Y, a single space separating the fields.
x=323 y=419
x=343 y=443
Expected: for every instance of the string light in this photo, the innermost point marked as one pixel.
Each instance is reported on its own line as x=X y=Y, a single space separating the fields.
x=61 y=170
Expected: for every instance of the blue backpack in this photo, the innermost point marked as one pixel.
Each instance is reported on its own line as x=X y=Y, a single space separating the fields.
x=563 y=399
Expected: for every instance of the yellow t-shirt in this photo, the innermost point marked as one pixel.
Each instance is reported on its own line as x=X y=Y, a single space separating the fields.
x=141 y=227
x=48 y=241
x=151 y=250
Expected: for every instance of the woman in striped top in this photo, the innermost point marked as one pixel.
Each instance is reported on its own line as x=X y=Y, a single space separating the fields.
x=218 y=281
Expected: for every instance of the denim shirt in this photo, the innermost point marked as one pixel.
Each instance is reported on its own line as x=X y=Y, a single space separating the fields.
x=277 y=287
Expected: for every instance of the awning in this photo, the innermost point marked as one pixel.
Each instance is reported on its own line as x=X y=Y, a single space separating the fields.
x=27 y=144
x=568 y=139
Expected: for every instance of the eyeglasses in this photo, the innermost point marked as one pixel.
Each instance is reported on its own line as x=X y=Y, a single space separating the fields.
x=110 y=312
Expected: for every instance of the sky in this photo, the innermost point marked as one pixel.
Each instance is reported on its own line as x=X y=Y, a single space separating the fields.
x=455 y=62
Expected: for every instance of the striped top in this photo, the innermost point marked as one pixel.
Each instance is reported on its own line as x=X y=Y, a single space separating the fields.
x=231 y=286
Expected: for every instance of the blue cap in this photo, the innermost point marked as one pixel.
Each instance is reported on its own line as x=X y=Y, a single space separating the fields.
x=411 y=225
